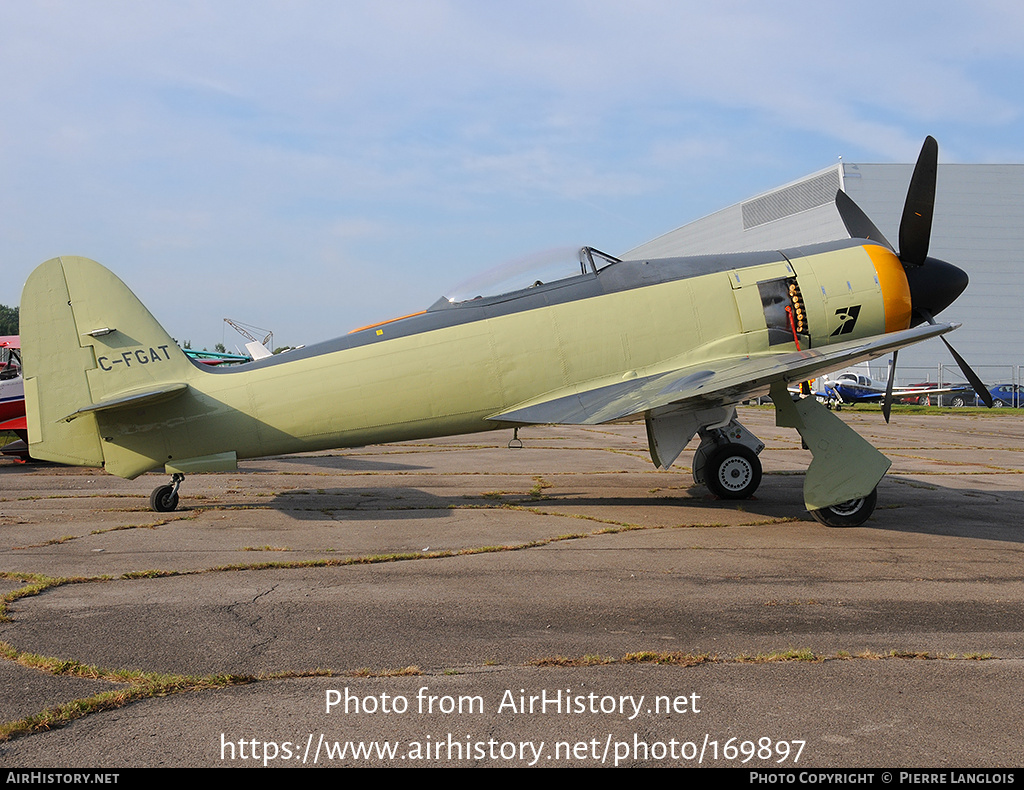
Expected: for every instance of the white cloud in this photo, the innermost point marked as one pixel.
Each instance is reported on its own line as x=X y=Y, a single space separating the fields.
x=248 y=134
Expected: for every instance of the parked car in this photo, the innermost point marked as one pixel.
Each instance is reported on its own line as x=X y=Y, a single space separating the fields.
x=1010 y=395
x=955 y=396
x=959 y=397
x=921 y=398
x=1006 y=395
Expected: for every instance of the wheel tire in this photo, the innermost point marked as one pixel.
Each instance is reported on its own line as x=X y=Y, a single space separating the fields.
x=958 y=402
x=164 y=499
x=848 y=514
x=997 y=404
x=733 y=471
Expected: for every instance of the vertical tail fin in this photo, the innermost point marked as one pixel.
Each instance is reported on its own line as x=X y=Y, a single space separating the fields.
x=89 y=345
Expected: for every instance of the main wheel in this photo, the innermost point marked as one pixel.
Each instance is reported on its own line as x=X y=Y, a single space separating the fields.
x=733 y=471
x=164 y=499
x=848 y=514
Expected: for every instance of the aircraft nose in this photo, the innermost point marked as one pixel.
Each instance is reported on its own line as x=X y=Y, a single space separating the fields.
x=934 y=286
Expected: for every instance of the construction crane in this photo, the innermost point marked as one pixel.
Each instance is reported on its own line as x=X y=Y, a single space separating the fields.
x=257 y=348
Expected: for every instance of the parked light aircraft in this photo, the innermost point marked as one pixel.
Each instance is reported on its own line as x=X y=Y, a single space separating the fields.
x=852 y=387
x=676 y=342
x=12 y=396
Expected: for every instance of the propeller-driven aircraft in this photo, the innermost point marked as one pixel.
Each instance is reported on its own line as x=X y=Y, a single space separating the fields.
x=675 y=342
x=852 y=387
x=12 y=396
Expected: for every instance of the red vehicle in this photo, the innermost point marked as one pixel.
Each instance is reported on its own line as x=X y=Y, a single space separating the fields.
x=922 y=398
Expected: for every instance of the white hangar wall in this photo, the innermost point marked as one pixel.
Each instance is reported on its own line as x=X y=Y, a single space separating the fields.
x=978 y=225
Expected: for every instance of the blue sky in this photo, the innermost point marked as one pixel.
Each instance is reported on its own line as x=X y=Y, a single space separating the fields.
x=310 y=167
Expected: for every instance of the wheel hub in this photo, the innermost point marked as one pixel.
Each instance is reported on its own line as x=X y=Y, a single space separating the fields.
x=735 y=473
x=848 y=508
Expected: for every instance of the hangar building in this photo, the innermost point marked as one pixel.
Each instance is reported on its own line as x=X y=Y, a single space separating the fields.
x=978 y=225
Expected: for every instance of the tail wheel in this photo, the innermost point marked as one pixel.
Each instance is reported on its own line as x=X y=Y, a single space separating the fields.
x=848 y=514
x=733 y=471
x=164 y=499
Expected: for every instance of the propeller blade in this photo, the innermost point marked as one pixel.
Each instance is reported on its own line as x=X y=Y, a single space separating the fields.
x=916 y=225
x=887 y=403
x=858 y=225
x=971 y=376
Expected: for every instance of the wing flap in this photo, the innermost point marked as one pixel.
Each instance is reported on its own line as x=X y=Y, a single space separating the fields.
x=724 y=381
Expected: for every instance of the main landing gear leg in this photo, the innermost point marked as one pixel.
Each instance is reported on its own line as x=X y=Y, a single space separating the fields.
x=840 y=487
x=164 y=499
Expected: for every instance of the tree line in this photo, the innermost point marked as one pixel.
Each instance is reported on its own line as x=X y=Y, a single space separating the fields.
x=8 y=320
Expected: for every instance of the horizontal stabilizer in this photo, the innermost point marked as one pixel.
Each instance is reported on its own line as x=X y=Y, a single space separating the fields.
x=131 y=400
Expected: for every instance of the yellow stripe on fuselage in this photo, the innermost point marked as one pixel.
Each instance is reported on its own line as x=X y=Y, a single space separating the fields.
x=895 y=289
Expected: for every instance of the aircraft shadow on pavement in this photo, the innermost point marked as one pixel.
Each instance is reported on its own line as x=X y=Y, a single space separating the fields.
x=363 y=503
x=905 y=506
x=910 y=505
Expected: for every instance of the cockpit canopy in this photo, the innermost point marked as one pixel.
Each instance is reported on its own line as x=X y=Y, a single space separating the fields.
x=533 y=271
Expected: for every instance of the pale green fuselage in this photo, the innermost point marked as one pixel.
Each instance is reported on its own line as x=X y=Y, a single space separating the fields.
x=403 y=384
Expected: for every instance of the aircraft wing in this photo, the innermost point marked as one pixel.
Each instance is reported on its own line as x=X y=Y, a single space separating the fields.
x=899 y=392
x=718 y=382
x=15 y=424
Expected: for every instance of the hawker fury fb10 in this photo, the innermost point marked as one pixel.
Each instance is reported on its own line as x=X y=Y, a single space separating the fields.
x=676 y=342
